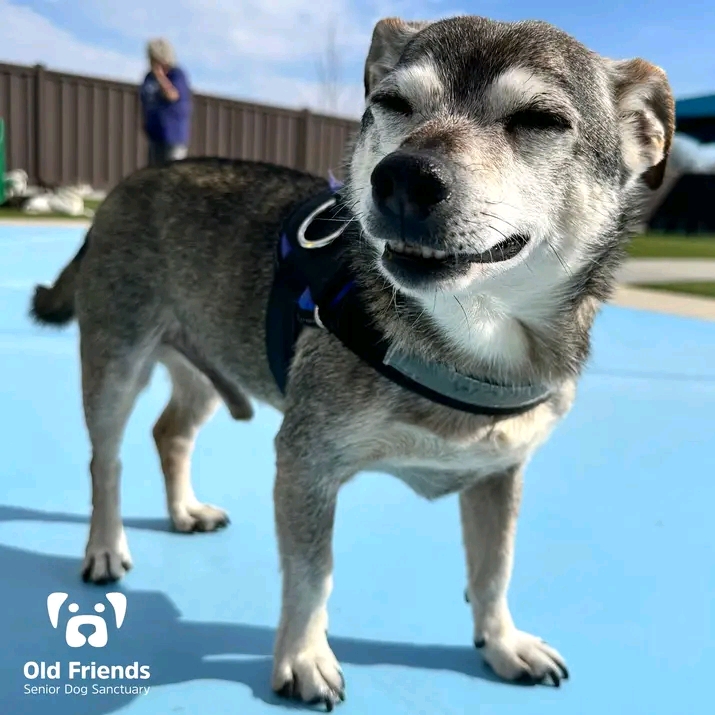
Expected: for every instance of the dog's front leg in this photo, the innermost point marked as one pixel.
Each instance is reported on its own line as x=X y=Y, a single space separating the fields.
x=489 y=513
x=305 y=497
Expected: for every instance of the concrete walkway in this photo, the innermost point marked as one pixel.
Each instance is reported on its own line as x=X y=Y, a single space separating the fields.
x=59 y=222
x=663 y=302
x=667 y=270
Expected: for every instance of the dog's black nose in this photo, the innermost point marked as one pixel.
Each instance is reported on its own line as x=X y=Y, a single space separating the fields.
x=408 y=186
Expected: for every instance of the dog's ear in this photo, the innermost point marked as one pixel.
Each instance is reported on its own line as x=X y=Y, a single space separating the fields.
x=646 y=112
x=388 y=40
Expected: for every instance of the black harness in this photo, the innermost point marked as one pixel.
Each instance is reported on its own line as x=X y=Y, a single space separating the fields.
x=313 y=286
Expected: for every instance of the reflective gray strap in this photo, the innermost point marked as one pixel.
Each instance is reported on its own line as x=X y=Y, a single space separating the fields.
x=450 y=383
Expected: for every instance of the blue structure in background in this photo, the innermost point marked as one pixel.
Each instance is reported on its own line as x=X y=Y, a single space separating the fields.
x=695 y=116
x=615 y=562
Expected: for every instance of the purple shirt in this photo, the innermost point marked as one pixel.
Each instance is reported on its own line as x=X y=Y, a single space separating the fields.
x=167 y=122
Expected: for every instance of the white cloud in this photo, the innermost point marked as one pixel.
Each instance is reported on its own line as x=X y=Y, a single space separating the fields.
x=27 y=37
x=289 y=92
x=219 y=30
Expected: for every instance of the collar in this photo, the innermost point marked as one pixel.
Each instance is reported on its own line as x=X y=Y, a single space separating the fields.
x=446 y=381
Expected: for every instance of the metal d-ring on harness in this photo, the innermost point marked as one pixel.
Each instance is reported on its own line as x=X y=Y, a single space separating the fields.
x=320 y=243
x=303 y=228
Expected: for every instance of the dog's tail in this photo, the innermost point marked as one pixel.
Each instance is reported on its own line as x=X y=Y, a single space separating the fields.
x=55 y=305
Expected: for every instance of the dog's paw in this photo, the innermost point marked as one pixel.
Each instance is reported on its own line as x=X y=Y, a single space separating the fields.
x=106 y=562
x=523 y=658
x=312 y=675
x=189 y=518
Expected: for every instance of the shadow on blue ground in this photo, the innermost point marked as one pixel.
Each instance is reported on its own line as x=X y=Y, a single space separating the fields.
x=153 y=634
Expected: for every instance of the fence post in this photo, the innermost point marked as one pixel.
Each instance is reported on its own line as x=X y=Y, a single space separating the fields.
x=303 y=148
x=37 y=122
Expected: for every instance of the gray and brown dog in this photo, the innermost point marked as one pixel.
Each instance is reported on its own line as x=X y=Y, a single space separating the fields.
x=496 y=176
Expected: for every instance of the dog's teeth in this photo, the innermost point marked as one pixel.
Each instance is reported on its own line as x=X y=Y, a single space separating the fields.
x=421 y=251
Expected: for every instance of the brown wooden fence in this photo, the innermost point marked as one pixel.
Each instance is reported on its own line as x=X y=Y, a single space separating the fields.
x=66 y=129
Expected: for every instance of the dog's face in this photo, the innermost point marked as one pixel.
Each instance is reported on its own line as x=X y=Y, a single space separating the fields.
x=488 y=148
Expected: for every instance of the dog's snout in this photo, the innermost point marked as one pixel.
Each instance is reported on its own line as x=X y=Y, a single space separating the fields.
x=408 y=186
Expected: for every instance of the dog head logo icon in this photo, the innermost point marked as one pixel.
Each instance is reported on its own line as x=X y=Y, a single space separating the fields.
x=75 y=639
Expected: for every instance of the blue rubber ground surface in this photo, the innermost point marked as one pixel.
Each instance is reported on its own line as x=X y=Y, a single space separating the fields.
x=614 y=565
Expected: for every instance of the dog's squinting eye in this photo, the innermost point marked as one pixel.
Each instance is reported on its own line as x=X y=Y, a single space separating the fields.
x=391 y=102
x=367 y=119
x=537 y=120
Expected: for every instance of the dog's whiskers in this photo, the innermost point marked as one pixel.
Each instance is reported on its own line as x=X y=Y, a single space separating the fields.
x=466 y=317
x=558 y=257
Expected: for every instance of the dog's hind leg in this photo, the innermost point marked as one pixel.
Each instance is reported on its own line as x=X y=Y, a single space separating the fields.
x=193 y=402
x=110 y=386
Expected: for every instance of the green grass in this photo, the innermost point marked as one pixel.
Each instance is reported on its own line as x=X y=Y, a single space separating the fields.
x=672 y=246
x=6 y=212
x=704 y=290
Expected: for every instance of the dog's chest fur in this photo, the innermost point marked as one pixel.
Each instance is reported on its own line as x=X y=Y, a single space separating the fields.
x=434 y=463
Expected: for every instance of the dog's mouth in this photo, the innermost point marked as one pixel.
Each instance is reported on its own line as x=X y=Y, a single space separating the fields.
x=502 y=251
x=419 y=263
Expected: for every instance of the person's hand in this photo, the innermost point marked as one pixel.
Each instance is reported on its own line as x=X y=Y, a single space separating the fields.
x=167 y=88
x=158 y=71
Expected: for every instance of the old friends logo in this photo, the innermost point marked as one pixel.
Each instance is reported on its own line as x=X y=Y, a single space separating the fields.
x=86 y=677
x=99 y=636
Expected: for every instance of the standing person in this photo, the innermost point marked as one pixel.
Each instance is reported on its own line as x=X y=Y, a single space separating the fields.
x=166 y=105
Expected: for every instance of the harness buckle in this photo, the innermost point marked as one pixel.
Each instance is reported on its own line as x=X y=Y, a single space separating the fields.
x=321 y=242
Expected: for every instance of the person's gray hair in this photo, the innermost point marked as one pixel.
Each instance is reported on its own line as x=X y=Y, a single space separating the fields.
x=160 y=50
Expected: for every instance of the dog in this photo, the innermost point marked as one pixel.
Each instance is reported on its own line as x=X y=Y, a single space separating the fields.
x=493 y=184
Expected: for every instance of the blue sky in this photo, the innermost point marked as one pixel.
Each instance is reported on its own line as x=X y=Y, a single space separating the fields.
x=267 y=50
